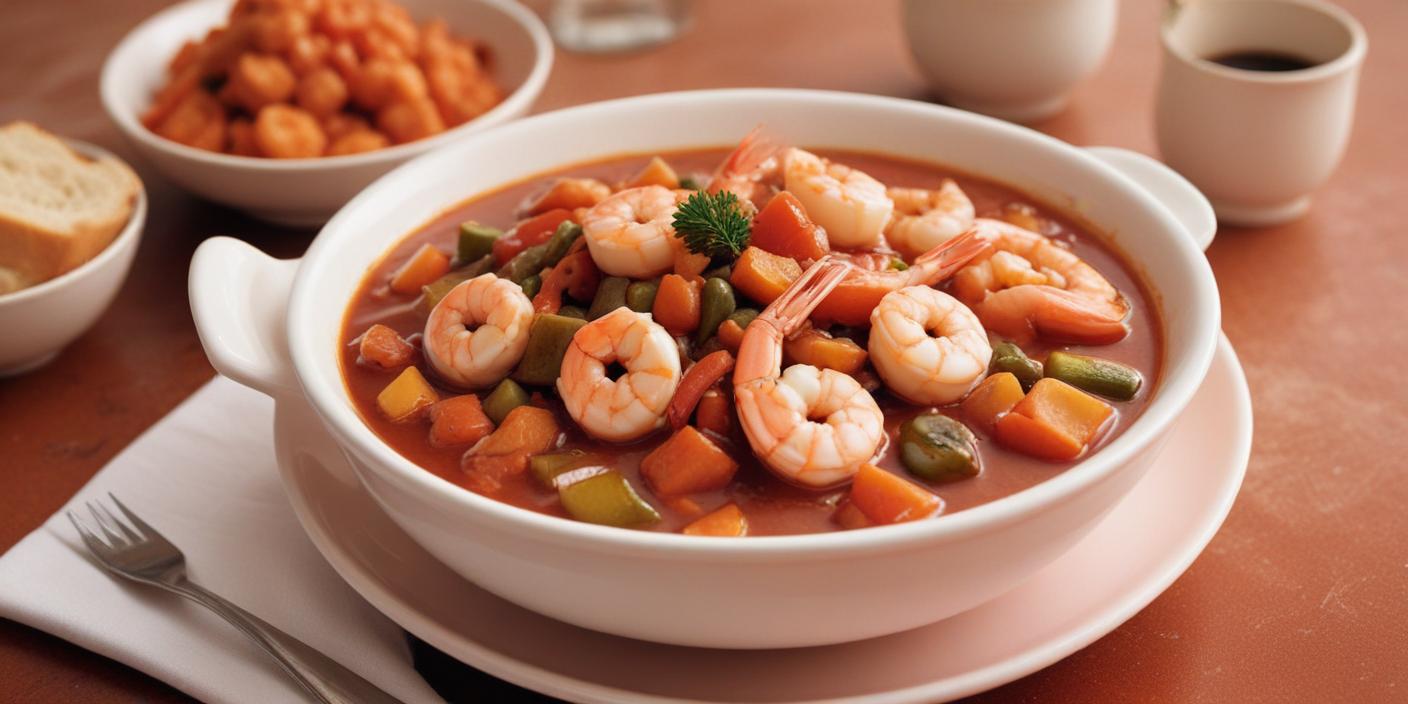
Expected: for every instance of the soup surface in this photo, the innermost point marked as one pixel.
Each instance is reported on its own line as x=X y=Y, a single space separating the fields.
x=754 y=500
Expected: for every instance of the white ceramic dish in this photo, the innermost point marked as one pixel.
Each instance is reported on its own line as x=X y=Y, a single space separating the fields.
x=41 y=320
x=275 y=326
x=308 y=191
x=1126 y=561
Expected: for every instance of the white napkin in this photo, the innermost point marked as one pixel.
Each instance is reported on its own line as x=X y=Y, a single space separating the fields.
x=205 y=477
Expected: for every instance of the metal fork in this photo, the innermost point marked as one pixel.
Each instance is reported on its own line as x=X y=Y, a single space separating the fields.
x=137 y=551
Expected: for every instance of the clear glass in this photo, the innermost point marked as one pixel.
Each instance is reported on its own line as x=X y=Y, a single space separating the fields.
x=604 y=26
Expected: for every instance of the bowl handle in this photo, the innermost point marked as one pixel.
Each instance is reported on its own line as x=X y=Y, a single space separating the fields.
x=239 y=297
x=1185 y=202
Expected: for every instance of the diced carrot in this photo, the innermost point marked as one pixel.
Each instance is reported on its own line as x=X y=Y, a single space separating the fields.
x=853 y=300
x=714 y=412
x=993 y=397
x=425 y=266
x=525 y=429
x=407 y=397
x=730 y=335
x=1054 y=421
x=763 y=276
x=533 y=231
x=782 y=227
x=849 y=517
x=885 y=498
x=485 y=474
x=656 y=173
x=676 y=305
x=687 y=463
x=683 y=505
x=727 y=521
x=380 y=346
x=575 y=274
x=459 y=420
x=688 y=264
x=696 y=380
x=820 y=349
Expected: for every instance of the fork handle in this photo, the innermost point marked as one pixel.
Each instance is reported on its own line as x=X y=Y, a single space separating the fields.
x=322 y=677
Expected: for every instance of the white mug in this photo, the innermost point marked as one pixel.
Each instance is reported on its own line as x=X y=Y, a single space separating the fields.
x=1013 y=59
x=1257 y=142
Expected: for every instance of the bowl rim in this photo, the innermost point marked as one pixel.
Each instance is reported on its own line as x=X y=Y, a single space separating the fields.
x=128 y=236
x=516 y=102
x=1172 y=396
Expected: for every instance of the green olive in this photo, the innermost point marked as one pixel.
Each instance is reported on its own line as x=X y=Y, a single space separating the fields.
x=938 y=448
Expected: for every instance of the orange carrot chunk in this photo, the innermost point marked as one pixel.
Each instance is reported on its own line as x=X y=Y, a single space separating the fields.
x=382 y=347
x=696 y=380
x=727 y=521
x=1055 y=421
x=459 y=420
x=425 y=266
x=849 y=517
x=687 y=463
x=676 y=305
x=656 y=173
x=763 y=276
x=714 y=412
x=782 y=227
x=820 y=349
x=730 y=335
x=525 y=429
x=885 y=498
x=993 y=397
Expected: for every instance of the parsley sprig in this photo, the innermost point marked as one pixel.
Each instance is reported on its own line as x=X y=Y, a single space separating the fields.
x=713 y=224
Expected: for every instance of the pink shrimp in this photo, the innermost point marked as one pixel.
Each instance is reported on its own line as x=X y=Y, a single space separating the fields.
x=852 y=302
x=751 y=171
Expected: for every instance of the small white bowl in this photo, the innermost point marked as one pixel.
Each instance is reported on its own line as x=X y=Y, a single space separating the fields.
x=41 y=320
x=308 y=191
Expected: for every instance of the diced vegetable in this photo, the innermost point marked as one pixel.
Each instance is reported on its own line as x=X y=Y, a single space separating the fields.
x=730 y=335
x=561 y=241
x=1054 y=421
x=606 y=498
x=885 y=498
x=656 y=173
x=533 y=231
x=546 y=467
x=722 y=271
x=1008 y=357
x=684 y=506
x=854 y=299
x=716 y=303
x=819 y=349
x=381 y=347
x=782 y=227
x=995 y=396
x=572 y=312
x=505 y=397
x=640 y=295
x=696 y=380
x=407 y=397
x=476 y=241
x=744 y=317
x=548 y=338
x=531 y=285
x=677 y=304
x=424 y=267
x=763 y=276
x=610 y=295
x=528 y=263
x=687 y=463
x=1098 y=376
x=525 y=429
x=689 y=265
x=575 y=274
x=485 y=474
x=714 y=412
x=727 y=521
x=441 y=287
x=849 y=517
x=459 y=420
x=937 y=448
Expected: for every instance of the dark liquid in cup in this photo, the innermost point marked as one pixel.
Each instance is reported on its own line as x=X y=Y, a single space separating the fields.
x=1261 y=61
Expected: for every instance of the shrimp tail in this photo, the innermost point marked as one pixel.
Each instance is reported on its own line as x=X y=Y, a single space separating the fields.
x=755 y=148
x=761 y=354
x=942 y=261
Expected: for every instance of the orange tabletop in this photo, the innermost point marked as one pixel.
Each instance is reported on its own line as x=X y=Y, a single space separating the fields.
x=1303 y=595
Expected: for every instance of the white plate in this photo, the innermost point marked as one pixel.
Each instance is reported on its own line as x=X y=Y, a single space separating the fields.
x=1131 y=557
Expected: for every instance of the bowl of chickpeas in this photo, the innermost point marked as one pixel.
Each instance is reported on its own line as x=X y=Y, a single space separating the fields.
x=285 y=109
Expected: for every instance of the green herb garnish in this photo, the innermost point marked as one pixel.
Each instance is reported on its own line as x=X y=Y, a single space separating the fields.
x=713 y=224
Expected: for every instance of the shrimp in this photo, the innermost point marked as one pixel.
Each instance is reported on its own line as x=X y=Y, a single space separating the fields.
x=568 y=193
x=478 y=331
x=928 y=347
x=628 y=407
x=847 y=202
x=632 y=233
x=1028 y=285
x=777 y=408
x=853 y=301
x=925 y=219
x=751 y=170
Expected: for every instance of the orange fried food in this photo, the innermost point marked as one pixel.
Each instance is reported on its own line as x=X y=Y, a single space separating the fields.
x=285 y=132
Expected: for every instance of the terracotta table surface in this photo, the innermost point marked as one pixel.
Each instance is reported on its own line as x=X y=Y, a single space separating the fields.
x=1302 y=596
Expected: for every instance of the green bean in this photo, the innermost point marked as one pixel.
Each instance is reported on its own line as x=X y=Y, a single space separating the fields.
x=1008 y=357
x=561 y=241
x=936 y=447
x=605 y=497
x=744 y=316
x=716 y=304
x=532 y=285
x=439 y=288
x=504 y=398
x=548 y=338
x=1098 y=376
x=547 y=467
x=572 y=312
x=525 y=264
x=476 y=241
x=610 y=295
x=640 y=295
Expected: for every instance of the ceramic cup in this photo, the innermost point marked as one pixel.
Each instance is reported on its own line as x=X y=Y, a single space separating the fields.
x=1013 y=59
x=1257 y=142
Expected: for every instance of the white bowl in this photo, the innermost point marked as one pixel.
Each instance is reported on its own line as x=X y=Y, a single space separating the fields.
x=276 y=326
x=41 y=320
x=308 y=191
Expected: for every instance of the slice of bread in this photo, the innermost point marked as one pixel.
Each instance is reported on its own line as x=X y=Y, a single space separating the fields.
x=58 y=208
